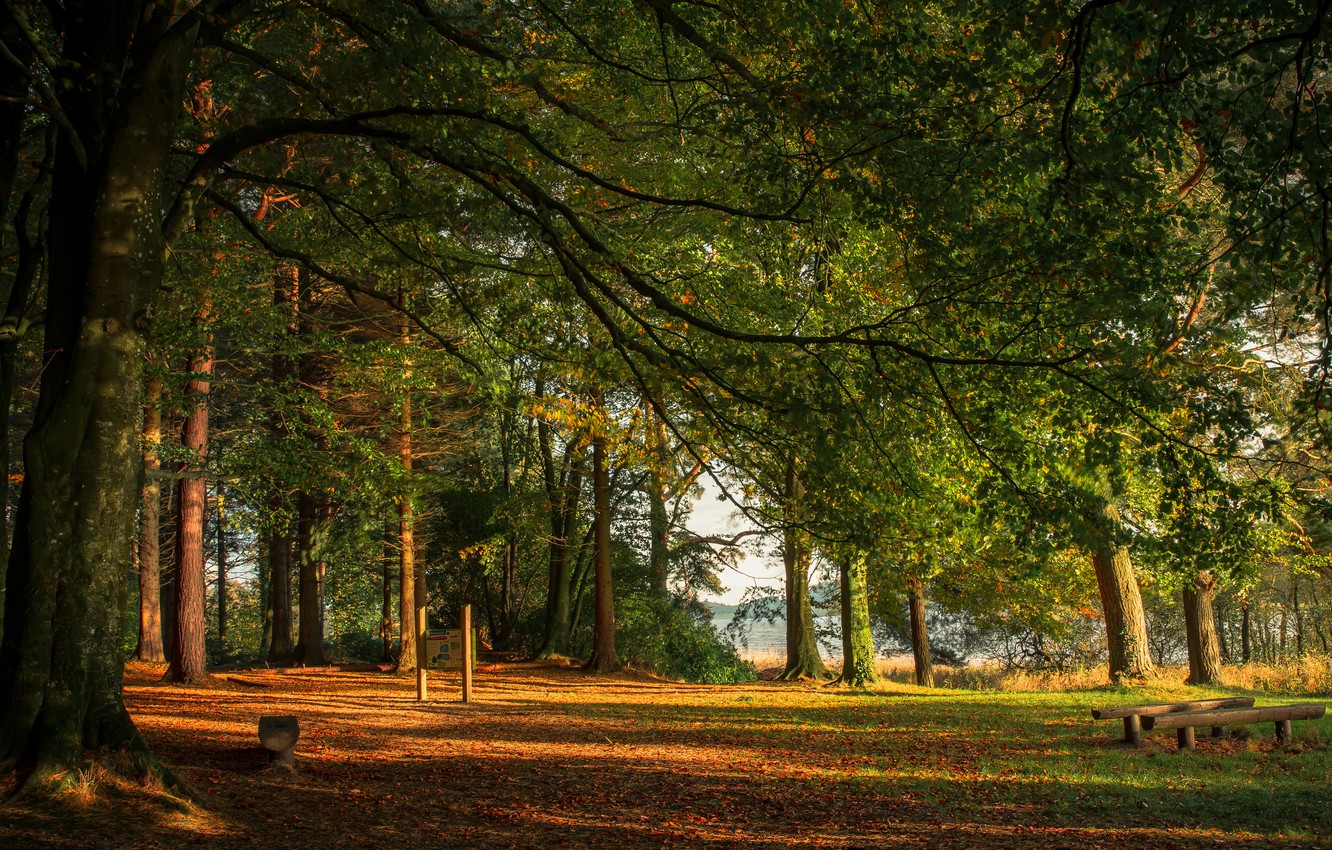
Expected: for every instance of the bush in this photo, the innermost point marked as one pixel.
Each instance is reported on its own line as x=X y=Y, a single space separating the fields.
x=676 y=639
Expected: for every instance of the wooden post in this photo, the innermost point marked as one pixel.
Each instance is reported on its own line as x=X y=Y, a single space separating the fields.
x=467 y=653
x=1132 y=730
x=422 y=658
x=1185 y=737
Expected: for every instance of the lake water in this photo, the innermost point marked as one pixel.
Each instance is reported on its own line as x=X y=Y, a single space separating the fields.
x=768 y=640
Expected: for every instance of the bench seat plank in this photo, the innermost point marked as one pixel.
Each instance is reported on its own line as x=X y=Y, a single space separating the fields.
x=1234 y=716
x=1170 y=707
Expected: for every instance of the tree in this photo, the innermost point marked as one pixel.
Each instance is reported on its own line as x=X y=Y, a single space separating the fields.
x=150 y=514
x=858 y=655
x=604 y=659
x=59 y=680
x=188 y=653
x=802 y=649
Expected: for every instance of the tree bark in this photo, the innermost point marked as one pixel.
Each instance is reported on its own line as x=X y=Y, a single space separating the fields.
x=920 y=635
x=1121 y=601
x=802 y=649
x=407 y=566
x=279 y=577
x=221 y=572
x=60 y=660
x=168 y=570
x=189 y=662
x=265 y=581
x=1200 y=631
x=604 y=659
x=309 y=541
x=858 y=657
x=150 y=516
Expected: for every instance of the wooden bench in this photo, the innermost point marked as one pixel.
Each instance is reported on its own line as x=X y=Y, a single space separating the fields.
x=278 y=734
x=1281 y=715
x=1133 y=714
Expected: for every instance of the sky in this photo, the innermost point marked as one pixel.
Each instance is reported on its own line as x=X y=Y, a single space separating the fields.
x=716 y=516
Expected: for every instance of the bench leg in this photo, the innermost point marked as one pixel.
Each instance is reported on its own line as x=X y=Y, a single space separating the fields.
x=1218 y=731
x=1185 y=737
x=1283 y=731
x=1133 y=730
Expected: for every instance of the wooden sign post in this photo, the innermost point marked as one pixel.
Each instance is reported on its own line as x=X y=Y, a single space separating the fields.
x=467 y=650
x=422 y=654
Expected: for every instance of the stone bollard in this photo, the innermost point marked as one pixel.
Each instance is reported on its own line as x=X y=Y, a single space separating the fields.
x=278 y=734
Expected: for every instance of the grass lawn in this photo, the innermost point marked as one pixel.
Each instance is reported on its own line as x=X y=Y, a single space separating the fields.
x=550 y=757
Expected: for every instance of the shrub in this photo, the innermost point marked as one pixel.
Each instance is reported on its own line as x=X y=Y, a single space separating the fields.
x=676 y=639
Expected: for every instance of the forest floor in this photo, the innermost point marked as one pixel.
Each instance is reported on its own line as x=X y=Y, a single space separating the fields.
x=551 y=757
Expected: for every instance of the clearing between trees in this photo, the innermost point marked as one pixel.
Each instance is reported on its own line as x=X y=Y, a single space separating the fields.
x=547 y=756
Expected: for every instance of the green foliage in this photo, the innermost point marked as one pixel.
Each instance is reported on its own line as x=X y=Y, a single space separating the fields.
x=676 y=639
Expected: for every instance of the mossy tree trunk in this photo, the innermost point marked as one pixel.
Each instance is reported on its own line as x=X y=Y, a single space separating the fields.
x=1121 y=601
x=14 y=106
x=604 y=659
x=120 y=84
x=920 y=633
x=802 y=648
x=310 y=530
x=1200 y=631
x=858 y=657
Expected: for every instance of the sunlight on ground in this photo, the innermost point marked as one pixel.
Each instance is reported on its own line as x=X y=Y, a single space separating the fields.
x=549 y=757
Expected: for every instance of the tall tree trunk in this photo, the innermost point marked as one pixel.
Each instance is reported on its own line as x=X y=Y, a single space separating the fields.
x=150 y=515
x=60 y=660
x=858 y=657
x=167 y=559
x=1121 y=601
x=309 y=533
x=604 y=659
x=920 y=634
x=279 y=576
x=189 y=662
x=1200 y=631
x=14 y=105
x=406 y=609
x=311 y=509
x=802 y=648
x=285 y=375
x=408 y=567
x=221 y=572
x=265 y=579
